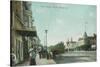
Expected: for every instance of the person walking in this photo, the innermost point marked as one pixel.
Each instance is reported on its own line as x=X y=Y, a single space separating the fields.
x=13 y=59
x=32 y=56
x=51 y=55
x=40 y=52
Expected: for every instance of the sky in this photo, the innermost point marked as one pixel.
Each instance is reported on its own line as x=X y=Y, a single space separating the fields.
x=63 y=21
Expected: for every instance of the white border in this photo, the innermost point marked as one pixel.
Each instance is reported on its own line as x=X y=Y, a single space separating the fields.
x=5 y=32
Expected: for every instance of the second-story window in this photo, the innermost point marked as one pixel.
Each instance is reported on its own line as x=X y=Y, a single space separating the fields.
x=18 y=9
x=25 y=5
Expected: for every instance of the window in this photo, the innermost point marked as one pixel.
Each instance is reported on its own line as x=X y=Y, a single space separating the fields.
x=26 y=6
x=18 y=9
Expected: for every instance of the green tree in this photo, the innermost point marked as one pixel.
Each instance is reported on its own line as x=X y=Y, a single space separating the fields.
x=59 y=48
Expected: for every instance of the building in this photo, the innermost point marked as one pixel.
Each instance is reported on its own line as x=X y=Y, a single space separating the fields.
x=83 y=40
x=71 y=45
x=22 y=29
x=88 y=40
x=92 y=41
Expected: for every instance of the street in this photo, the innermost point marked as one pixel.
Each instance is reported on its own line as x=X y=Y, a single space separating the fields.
x=77 y=56
x=67 y=57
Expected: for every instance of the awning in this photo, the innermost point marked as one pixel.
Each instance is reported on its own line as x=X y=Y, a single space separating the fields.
x=27 y=31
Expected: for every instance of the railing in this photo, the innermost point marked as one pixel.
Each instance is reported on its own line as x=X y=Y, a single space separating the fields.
x=33 y=28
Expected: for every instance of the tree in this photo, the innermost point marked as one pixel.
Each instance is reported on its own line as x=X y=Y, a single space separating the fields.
x=58 y=48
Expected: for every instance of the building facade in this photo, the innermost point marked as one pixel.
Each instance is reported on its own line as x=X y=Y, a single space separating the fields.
x=93 y=41
x=88 y=40
x=83 y=41
x=22 y=29
x=71 y=45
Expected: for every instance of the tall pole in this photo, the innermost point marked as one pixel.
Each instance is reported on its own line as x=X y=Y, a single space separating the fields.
x=46 y=43
x=46 y=38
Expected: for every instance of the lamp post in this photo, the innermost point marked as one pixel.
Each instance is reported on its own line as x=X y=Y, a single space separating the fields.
x=46 y=41
x=46 y=38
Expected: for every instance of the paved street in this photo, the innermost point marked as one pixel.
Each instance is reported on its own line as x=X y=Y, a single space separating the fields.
x=77 y=56
x=67 y=57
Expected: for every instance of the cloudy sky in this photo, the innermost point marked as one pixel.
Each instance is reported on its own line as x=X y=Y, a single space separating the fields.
x=63 y=21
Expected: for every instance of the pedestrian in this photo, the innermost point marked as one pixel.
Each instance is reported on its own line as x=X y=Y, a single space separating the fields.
x=51 y=54
x=48 y=54
x=40 y=52
x=13 y=59
x=54 y=54
x=32 y=56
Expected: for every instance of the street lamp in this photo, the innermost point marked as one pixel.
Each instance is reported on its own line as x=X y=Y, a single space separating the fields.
x=46 y=38
x=46 y=43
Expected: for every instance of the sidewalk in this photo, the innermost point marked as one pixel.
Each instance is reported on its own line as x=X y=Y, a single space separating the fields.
x=42 y=61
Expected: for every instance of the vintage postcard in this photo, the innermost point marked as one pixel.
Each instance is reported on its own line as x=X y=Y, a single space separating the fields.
x=43 y=33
